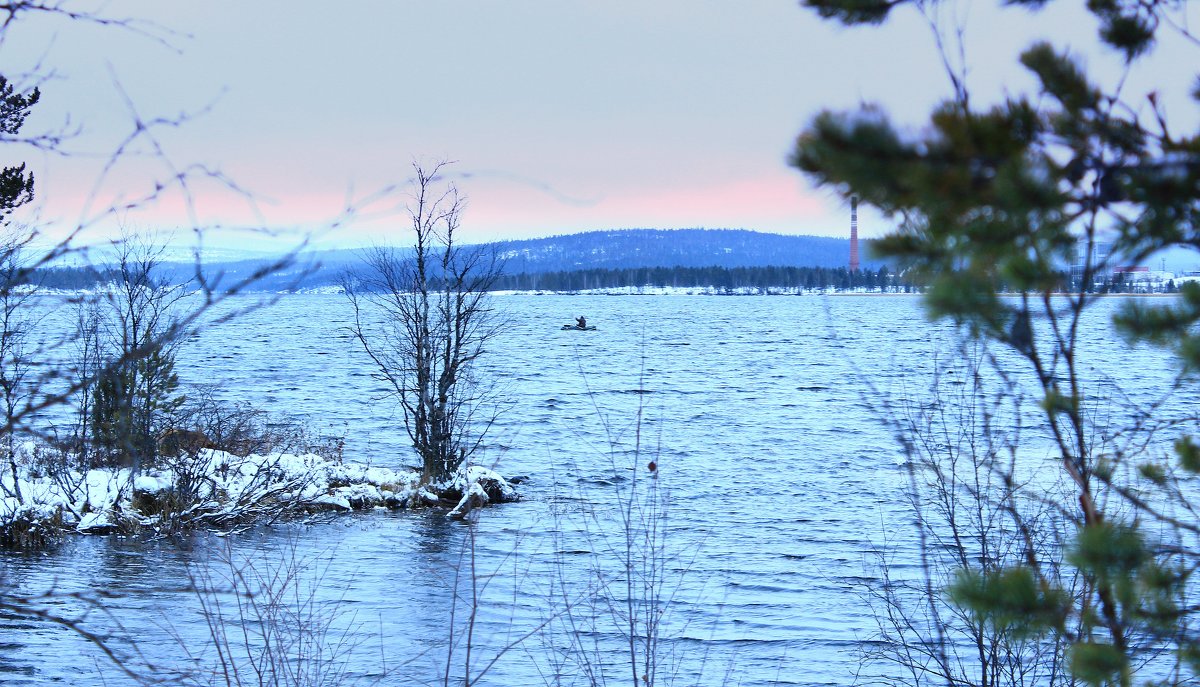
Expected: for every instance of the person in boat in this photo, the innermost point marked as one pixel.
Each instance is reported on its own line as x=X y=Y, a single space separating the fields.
x=581 y=322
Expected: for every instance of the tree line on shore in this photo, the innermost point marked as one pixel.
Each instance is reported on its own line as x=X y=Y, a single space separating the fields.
x=765 y=279
x=792 y=279
x=771 y=279
x=717 y=278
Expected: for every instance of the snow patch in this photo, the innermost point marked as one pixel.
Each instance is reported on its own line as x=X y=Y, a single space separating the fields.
x=219 y=489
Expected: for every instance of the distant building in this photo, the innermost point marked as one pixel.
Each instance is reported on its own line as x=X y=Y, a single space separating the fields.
x=1142 y=279
x=853 y=234
x=1080 y=262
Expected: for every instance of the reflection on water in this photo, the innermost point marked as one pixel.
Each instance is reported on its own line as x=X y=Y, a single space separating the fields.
x=763 y=415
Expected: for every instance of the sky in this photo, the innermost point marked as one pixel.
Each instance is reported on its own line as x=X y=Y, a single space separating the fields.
x=560 y=116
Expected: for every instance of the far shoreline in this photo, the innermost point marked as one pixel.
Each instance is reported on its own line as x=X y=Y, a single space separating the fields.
x=839 y=294
x=646 y=292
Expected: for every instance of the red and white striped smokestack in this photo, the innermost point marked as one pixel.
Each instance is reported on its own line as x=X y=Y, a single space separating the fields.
x=854 y=233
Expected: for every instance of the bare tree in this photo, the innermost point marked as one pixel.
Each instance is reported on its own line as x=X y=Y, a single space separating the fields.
x=86 y=362
x=29 y=393
x=977 y=509
x=268 y=625
x=16 y=190
x=423 y=317
x=16 y=328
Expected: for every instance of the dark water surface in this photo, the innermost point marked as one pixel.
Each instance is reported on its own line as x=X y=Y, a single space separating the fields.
x=776 y=472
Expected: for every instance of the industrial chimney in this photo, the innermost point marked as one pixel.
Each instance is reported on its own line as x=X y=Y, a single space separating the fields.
x=853 y=234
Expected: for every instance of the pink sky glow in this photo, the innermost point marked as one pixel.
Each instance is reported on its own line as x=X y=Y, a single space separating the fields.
x=563 y=117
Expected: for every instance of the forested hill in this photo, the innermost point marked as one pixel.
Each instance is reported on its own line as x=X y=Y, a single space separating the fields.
x=595 y=251
x=636 y=248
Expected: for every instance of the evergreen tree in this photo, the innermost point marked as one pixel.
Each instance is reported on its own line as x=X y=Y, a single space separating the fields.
x=131 y=402
x=16 y=184
x=135 y=395
x=997 y=200
x=16 y=189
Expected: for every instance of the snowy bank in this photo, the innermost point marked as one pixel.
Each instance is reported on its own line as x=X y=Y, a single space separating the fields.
x=221 y=490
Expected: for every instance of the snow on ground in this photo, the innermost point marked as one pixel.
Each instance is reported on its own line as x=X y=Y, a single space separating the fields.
x=216 y=488
x=670 y=291
x=650 y=290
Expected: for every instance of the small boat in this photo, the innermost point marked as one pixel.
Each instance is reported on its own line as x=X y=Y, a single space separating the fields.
x=575 y=327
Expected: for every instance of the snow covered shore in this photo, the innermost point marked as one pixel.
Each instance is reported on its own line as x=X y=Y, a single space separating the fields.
x=219 y=490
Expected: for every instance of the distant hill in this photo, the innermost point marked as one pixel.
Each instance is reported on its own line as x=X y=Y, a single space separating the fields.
x=594 y=250
x=629 y=248
x=632 y=248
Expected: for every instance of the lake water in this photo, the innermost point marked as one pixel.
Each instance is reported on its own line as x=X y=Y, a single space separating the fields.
x=776 y=477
